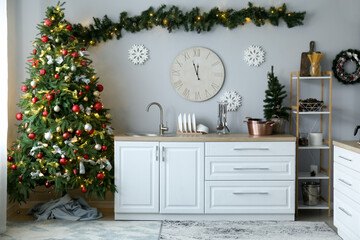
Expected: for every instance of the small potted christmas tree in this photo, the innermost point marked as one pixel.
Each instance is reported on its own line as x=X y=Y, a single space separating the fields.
x=273 y=108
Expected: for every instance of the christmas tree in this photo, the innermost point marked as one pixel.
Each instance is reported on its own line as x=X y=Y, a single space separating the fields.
x=274 y=97
x=64 y=138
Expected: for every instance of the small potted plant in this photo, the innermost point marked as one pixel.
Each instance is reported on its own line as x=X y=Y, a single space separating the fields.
x=273 y=107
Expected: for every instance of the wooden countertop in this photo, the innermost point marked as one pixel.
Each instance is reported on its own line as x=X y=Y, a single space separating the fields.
x=211 y=137
x=353 y=146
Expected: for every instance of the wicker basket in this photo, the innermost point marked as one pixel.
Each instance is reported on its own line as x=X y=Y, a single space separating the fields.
x=310 y=106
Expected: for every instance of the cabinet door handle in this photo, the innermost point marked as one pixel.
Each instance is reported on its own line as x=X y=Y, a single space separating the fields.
x=346 y=212
x=343 y=181
x=163 y=153
x=240 y=193
x=157 y=153
x=347 y=159
x=251 y=168
x=239 y=149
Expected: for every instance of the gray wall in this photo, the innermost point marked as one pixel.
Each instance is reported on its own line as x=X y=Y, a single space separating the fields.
x=334 y=26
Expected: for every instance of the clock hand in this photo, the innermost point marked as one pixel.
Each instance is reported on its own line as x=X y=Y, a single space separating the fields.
x=196 y=70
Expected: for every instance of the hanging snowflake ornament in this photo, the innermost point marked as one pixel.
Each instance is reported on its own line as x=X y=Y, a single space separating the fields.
x=254 y=56
x=233 y=99
x=138 y=54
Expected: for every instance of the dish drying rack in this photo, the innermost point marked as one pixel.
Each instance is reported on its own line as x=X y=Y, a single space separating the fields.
x=186 y=125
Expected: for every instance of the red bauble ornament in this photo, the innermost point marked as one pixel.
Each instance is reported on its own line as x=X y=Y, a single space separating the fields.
x=48 y=22
x=68 y=27
x=10 y=159
x=63 y=161
x=78 y=132
x=40 y=155
x=24 y=88
x=45 y=39
x=75 y=171
x=49 y=97
x=98 y=106
x=75 y=151
x=76 y=108
x=100 y=176
x=86 y=156
x=42 y=71
x=83 y=63
x=104 y=148
x=64 y=52
x=91 y=131
x=80 y=93
x=83 y=49
x=56 y=76
x=34 y=100
x=48 y=184
x=100 y=87
x=20 y=178
x=19 y=116
x=72 y=38
x=84 y=190
x=18 y=147
x=32 y=136
x=75 y=54
x=34 y=64
x=45 y=113
x=66 y=135
x=87 y=87
x=104 y=126
x=14 y=167
x=34 y=51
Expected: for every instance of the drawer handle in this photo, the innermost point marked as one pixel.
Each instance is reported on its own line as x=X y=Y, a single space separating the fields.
x=240 y=193
x=157 y=153
x=343 y=181
x=251 y=168
x=239 y=149
x=346 y=212
x=347 y=159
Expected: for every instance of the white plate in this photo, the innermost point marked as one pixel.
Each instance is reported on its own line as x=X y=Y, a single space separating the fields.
x=184 y=122
x=189 y=123
x=180 y=123
x=194 y=123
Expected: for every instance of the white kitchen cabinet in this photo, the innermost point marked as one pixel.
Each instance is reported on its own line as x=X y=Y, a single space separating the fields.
x=182 y=177
x=137 y=177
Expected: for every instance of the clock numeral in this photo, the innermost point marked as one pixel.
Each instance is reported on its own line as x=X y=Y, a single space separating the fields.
x=215 y=63
x=208 y=55
x=215 y=87
x=197 y=96
x=207 y=94
x=178 y=84
x=175 y=72
x=219 y=74
x=196 y=52
x=186 y=93
x=179 y=63
x=186 y=56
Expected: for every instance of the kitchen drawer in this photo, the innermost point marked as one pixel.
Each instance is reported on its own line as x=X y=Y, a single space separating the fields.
x=258 y=197
x=347 y=158
x=347 y=181
x=250 y=168
x=346 y=213
x=249 y=148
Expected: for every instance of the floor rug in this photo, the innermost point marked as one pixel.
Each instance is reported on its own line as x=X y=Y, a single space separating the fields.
x=247 y=230
x=82 y=230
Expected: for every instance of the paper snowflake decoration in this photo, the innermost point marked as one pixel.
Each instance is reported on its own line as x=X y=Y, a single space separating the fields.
x=254 y=56
x=138 y=54
x=233 y=99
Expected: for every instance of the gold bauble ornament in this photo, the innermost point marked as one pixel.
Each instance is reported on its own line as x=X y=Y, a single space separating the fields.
x=53 y=18
x=57 y=40
x=67 y=79
x=108 y=115
x=58 y=129
x=28 y=130
x=70 y=130
x=96 y=93
x=86 y=99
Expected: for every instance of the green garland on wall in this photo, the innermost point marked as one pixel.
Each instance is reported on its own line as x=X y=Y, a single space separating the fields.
x=195 y=20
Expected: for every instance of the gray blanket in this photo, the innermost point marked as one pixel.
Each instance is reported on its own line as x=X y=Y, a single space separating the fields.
x=65 y=208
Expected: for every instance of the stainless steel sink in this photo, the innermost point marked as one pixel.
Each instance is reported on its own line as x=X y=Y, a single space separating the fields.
x=150 y=135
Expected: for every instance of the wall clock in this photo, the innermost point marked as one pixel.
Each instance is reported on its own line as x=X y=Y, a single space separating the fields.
x=197 y=74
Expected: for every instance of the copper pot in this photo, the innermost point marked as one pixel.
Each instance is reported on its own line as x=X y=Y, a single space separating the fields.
x=259 y=128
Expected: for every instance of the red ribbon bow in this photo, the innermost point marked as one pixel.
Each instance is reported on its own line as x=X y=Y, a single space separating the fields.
x=55 y=91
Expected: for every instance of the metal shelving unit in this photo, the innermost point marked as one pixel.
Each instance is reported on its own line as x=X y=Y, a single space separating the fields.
x=324 y=173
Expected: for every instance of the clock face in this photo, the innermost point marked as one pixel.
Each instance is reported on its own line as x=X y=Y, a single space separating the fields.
x=197 y=74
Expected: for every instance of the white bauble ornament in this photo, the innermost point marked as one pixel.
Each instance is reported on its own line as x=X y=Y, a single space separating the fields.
x=28 y=130
x=96 y=93
x=73 y=68
x=58 y=129
x=108 y=115
x=98 y=147
x=87 y=127
x=67 y=79
x=48 y=136
x=33 y=83
x=57 y=108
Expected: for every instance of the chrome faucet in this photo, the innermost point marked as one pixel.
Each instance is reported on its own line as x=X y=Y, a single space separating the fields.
x=162 y=127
